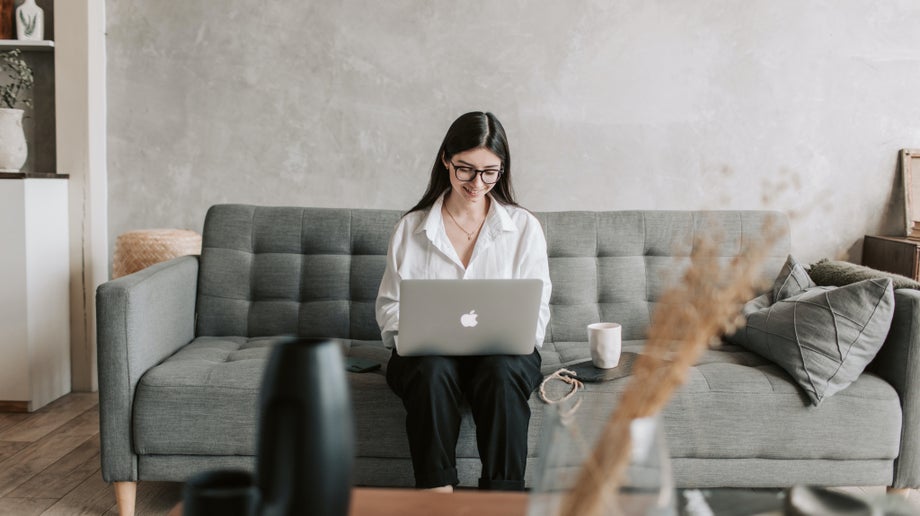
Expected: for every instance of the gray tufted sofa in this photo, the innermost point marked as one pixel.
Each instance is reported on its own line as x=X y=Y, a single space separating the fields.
x=182 y=346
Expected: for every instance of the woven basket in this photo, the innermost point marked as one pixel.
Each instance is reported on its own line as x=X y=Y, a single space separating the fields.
x=136 y=250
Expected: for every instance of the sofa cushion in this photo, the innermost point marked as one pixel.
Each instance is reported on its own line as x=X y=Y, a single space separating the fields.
x=204 y=399
x=736 y=405
x=775 y=417
x=823 y=336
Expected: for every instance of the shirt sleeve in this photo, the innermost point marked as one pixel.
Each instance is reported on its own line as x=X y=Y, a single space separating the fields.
x=534 y=263
x=387 y=305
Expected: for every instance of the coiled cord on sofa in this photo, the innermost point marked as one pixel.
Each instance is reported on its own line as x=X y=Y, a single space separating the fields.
x=566 y=376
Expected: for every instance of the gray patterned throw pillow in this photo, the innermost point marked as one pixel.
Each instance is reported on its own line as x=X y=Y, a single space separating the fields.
x=824 y=337
x=792 y=279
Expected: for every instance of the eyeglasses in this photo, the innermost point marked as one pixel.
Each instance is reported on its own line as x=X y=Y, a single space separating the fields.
x=467 y=174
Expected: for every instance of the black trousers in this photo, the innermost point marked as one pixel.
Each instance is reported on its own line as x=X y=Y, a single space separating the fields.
x=496 y=388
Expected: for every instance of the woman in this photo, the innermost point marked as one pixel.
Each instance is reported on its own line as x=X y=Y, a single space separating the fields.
x=466 y=226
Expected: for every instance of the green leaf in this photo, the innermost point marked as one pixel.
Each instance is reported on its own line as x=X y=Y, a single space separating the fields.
x=20 y=77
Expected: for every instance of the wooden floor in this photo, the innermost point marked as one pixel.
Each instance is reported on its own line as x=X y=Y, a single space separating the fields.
x=49 y=465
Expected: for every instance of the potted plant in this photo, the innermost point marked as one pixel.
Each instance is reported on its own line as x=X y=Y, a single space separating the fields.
x=16 y=84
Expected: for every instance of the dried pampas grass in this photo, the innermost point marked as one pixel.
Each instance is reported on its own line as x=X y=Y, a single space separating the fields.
x=692 y=314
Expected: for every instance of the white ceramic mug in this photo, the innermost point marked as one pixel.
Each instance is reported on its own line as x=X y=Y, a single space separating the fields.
x=605 y=340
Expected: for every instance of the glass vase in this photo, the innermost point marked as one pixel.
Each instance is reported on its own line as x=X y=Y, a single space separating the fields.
x=568 y=438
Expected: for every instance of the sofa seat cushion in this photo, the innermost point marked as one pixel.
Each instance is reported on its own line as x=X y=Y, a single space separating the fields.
x=203 y=400
x=736 y=404
x=728 y=410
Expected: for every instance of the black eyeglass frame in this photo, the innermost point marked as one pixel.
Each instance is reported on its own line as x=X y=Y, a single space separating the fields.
x=482 y=178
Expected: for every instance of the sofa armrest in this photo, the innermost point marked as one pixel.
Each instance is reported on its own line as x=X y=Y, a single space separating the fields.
x=141 y=319
x=898 y=362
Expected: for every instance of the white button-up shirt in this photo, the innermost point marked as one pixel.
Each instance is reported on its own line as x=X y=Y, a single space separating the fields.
x=510 y=245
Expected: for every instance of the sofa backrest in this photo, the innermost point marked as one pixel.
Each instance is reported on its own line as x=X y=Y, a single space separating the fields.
x=315 y=271
x=614 y=266
x=305 y=271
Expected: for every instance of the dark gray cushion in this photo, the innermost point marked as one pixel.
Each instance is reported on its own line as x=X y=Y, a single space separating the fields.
x=824 y=337
x=837 y=273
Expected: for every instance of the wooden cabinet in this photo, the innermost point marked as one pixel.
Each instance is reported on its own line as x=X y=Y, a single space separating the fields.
x=892 y=254
x=35 y=292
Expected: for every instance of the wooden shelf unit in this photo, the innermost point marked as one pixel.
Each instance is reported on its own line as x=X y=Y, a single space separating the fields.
x=899 y=255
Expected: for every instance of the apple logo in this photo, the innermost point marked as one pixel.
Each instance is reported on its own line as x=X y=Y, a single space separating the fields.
x=469 y=320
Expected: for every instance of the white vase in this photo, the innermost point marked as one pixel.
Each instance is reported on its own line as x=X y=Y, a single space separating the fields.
x=13 y=150
x=30 y=21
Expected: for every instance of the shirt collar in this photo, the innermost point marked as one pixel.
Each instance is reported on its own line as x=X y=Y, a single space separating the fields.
x=497 y=218
x=433 y=219
x=500 y=212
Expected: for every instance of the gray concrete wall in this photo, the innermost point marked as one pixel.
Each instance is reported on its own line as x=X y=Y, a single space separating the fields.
x=633 y=104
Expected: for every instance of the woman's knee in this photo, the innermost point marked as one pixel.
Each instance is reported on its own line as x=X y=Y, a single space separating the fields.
x=508 y=365
x=498 y=366
x=427 y=373
x=498 y=371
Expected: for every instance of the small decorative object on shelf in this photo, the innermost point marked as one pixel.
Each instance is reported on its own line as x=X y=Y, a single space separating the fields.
x=30 y=21
x=17 y=81
x=6 y=19
x=915 y=231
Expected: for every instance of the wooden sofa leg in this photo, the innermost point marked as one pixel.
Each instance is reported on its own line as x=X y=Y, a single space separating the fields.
x=900 y=491
x=125 y=494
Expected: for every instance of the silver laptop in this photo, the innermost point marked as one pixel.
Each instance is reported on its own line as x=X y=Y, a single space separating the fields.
x=468 y=317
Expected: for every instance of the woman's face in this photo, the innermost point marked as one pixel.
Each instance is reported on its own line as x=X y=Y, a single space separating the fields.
x=479 y=159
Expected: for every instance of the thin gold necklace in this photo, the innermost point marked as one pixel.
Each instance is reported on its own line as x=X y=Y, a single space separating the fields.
x=469 y=234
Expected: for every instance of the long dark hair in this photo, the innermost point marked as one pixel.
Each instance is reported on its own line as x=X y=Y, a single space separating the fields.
x=470 y=131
